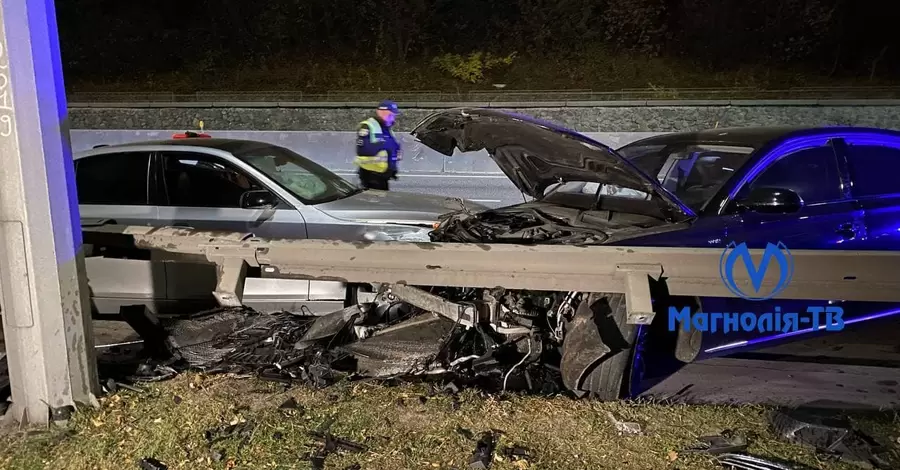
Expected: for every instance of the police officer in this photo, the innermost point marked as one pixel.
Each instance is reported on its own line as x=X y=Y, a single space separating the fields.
x=377 y=149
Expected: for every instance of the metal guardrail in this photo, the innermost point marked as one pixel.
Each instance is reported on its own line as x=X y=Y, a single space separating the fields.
x=581 y=95
x=817 y=275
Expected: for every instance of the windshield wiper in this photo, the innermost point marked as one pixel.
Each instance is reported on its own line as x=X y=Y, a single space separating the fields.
x=355 y=191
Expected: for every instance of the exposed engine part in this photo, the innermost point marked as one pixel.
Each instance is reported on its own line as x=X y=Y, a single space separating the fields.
x=468 y=314
x=527 y=225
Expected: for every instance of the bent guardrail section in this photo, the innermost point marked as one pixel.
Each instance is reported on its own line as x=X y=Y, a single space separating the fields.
x=817 y=274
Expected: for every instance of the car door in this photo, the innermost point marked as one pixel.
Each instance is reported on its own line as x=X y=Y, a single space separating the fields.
x=205 y=191
x=117 y=186
x=873 y=173
x=828 y=219
x=873 y=168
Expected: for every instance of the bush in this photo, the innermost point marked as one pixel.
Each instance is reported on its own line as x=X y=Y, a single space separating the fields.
x=471 y=68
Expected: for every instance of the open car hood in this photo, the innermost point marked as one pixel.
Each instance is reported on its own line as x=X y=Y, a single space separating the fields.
x=536 y=154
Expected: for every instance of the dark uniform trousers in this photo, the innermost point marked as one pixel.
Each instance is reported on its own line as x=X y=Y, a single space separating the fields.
x=373 y=180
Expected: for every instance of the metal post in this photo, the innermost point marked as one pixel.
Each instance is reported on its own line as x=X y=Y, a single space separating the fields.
x=43 y=292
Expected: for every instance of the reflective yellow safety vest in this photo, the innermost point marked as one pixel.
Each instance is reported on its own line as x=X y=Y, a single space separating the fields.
x=377 y=163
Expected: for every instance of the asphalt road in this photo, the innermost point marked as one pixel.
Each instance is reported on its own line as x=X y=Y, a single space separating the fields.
x=489 y=190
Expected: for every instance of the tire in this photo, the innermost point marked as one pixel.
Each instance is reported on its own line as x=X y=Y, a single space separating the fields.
x=603 y=376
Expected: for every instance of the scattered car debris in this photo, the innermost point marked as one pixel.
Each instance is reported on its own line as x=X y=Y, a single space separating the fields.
x=483 y=454
x=726 y=443
x=516 y=453
x=243 y=431
x=491 y=338
x=291 y=406
x=831 y=435
x=330 y=445
x=149 y=463
x=748 y=462
x=333 y=443
x=624 y=427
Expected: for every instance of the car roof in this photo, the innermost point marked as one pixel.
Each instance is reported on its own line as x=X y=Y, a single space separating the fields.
x=755 y=137
x=227 y=145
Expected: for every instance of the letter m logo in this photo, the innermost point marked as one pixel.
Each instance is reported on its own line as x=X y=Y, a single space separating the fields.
x=777 y=253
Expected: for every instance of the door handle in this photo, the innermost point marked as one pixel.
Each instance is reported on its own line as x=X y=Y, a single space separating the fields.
x=846 y=231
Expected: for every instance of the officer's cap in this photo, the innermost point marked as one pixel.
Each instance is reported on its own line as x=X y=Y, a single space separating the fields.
x=388 y=105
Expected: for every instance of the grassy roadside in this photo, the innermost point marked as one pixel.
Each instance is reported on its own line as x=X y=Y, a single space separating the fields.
x=599 y=71
x=402 y=427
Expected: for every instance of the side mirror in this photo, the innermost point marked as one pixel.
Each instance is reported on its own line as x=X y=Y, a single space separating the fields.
x=771 y=201
x=260 y=199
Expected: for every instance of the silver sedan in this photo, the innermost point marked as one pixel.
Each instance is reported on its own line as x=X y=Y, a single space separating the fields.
x=234 y=185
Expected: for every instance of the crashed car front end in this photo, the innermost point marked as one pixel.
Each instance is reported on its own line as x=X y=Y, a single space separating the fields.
x=403 y=332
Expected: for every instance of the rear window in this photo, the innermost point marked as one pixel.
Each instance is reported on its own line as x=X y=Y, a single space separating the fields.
x=118 y=179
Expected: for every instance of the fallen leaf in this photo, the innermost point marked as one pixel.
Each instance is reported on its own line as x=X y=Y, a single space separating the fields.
x=672 y=455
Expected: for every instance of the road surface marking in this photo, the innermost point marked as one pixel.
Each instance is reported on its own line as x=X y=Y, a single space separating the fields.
x=485 y=200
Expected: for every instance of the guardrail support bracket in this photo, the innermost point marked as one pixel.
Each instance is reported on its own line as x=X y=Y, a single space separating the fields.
x=231 y=275
x=638 y=302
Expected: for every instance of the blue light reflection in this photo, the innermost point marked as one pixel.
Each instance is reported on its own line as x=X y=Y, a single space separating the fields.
x=766 y=339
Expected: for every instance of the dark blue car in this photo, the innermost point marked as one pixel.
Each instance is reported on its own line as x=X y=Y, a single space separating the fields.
x=809 y=188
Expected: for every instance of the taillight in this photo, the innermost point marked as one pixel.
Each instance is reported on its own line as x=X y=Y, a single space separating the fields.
x=191 y=135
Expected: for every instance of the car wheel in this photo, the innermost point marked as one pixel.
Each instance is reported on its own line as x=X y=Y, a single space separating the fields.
x=597 y=349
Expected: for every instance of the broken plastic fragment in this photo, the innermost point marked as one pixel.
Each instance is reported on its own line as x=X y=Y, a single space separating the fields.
x=149 y=463
x=624 y=427
x=484 y=451
x=725 y=443
x=748 y=462
x=830 y=434
x=515 y=453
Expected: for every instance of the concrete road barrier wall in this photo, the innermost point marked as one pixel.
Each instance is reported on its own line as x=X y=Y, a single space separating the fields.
x=642 y=116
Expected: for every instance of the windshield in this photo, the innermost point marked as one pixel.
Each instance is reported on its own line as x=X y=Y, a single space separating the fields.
x=308 y=181
x=693 y=172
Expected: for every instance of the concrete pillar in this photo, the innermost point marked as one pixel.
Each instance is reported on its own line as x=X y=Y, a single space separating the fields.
x=43 y=293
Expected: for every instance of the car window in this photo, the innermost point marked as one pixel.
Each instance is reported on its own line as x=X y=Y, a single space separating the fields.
x=195 y=180
x=874 y=170
x=308 y=181
x=694 y=172
x=113 y=179
x=811 y=173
